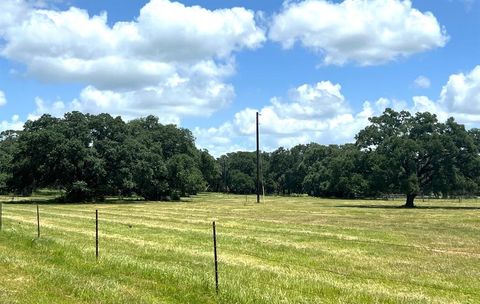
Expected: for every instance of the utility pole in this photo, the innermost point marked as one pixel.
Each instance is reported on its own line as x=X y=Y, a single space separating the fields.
x=258 y=164
x=225 y=175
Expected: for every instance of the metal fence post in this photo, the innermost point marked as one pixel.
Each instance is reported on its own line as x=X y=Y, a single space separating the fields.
x=96 y=234
x=215 y=256
x=38 y=222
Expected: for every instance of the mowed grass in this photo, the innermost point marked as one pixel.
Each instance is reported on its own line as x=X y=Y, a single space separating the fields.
x=285 y=250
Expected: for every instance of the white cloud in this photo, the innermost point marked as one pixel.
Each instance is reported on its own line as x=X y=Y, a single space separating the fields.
x=57 y=108
x=192 y=33
x=316 y=113
x=459 y=98
x=425 y=104
x=13 y=124
x=199 y=92
x=364 y=32
x=422 y=82
x=320 y=113
x=170 y=101
x=10 y=13
x=461 y=94
x=3 y=99
x=321 y=100
x=172 y=60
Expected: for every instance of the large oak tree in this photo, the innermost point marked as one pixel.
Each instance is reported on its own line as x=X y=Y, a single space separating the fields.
x=417 y=154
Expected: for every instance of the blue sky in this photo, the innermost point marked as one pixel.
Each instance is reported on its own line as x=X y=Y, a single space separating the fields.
x=315 y=69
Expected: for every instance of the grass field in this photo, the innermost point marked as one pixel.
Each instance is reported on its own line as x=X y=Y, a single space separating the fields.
x=286 y=250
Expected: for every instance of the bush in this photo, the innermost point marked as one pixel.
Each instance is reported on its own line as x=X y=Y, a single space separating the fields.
x=3 y=183
x=79 y=192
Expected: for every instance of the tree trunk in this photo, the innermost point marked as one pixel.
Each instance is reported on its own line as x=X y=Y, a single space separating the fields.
x=409 y=202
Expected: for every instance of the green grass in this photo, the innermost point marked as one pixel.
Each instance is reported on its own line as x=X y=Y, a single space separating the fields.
x=286 y=250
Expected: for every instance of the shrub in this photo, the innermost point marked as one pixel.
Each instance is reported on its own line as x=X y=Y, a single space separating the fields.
x=79 y=192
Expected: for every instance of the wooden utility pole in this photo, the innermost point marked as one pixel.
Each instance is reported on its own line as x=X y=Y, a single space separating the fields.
x=258 y=163
x=225 y=188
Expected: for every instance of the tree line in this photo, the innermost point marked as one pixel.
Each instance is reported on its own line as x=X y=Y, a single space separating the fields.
x=93 y=156
x=397 y=153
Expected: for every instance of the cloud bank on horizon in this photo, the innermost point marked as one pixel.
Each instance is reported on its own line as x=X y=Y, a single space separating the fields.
x=320 y=113
x=171 y=59
x=177 y=61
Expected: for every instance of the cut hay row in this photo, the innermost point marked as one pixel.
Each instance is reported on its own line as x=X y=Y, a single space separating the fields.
x=272 y=253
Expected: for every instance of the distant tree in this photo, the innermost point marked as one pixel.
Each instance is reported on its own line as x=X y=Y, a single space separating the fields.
x=316 y=159
x=92 y=156
x=281 y=170
x=211 y=171
x=298 y=172
x=181 y=170
x=417 y=154
x=334 y=171
x=240 y=162
x=287 y=170
x=150 y=175
x=53 y=152
x=8 y=146
x=112 y=155
x=241 y=183
x=184 y=176
x=346 y=174
x=316 y=182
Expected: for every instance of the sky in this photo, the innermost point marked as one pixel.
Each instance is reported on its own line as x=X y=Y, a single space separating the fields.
x=315 y=70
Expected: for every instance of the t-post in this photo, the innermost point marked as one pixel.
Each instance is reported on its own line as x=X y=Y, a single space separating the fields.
x=38 y=222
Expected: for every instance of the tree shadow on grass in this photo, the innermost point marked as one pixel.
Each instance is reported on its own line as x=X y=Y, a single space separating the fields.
x=108 y=201
x=55 y=201
x=416 y=207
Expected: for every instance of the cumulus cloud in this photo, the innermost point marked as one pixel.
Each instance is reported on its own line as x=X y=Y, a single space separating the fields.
x=320 y=113
x=171 y=60
x=169 y=101
x=422 y=82
x=364 y=32
x=459 y=98
x=3 y=99
x=317 y=112
x=13 y=124
x=461 y=94
x=10 y=12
